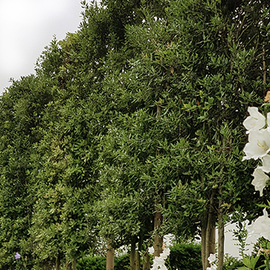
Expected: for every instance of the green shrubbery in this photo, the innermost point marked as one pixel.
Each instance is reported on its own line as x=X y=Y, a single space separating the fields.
x=136 y=117
x=99 y=263
x=92 y=263
x=183 y=256
x=231 y=263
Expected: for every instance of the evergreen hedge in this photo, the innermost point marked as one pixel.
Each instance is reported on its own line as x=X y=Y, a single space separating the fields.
x=185 y=256
x=99 y=263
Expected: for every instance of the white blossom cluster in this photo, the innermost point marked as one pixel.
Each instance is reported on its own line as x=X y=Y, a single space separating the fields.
x=258 y=147
x=159 y=262
x=212 y=260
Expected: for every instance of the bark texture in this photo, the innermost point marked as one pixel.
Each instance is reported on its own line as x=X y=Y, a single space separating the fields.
x=109 y=256
x=158 y=240
x=220 y=242
x=146 y=261
x=133 y=255
x=208 y=234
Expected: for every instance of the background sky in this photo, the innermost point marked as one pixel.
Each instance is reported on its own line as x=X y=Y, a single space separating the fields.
x=26 y=27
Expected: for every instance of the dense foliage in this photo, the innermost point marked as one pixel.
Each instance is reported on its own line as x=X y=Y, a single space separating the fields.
x=99 y=263
x=184 y=256
x=132 y=128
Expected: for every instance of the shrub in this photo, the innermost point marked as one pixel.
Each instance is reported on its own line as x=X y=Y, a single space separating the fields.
x=182 y=256
x=122 y=262
x=231 y=263
x=185 y=256
x=92 y=263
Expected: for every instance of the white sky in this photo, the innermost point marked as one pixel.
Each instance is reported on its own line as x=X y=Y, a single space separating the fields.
x=26 y=27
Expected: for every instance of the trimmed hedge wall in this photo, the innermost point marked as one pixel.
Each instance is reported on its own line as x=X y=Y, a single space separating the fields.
x=182 y=256
x=185 y=257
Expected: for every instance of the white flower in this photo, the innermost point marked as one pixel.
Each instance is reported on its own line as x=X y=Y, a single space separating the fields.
x=260 y=179
x=258 y=144
x=261 y=226
x=159 y=264
x=268 y=119
x=265 y=163
x=255 y=121
x=211 y=258
x=151 y=250
x=165 y=253
x=168 y=239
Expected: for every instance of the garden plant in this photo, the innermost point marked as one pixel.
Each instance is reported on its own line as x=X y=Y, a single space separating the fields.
x=131 y=129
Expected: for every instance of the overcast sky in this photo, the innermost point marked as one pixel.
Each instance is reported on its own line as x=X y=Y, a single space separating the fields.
x=26 y=27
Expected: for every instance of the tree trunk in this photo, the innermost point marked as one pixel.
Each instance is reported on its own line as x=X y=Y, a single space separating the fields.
x=46 y=265
x=68 y=265
x=208 y=234
x=74 y=264
x=110 y=256
x=146 y=261
x=208 y=243
x=220 y=235
x=137 y=260
x=133 y=254
x=158 y=240
x=138 y=257
x=57 y=263
x=203 y=240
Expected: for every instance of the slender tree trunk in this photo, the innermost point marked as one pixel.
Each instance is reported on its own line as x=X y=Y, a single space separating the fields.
x=220 y=233
x=146 y=261
x=208 y=234
x=46 y=266
x=138 y=252
x=220 y=242
x=110 y=256
x=158 y=240
x=68 y=265
x=208 y=243
x=137 y=260
x=133 y=254
x=203 y=240
x=74 y=264
x=57 y=263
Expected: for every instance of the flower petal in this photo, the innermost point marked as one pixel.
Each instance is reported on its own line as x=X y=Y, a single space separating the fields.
x=265 y=163
x=261 y=226
x=260 y=179
x=255 y=121
x=258 y=145
x=211 y=258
